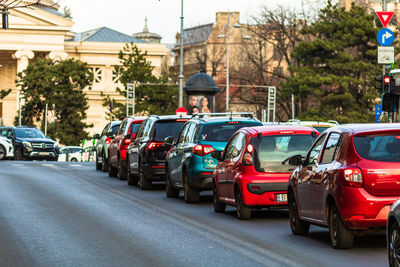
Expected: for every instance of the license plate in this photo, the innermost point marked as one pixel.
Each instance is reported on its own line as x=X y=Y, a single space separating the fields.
x=281 y=197
x=44 y=153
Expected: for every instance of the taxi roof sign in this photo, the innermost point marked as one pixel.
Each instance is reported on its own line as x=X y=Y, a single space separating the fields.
x=385 y=17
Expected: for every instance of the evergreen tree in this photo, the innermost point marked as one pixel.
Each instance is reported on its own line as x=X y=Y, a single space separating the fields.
x=335 y=79
x=60 y=85
x=153 y=95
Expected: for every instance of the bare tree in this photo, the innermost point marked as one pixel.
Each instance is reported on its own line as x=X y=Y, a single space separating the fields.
x=265 y=60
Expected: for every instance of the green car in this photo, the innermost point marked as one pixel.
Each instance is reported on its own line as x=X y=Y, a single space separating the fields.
x=189 y=166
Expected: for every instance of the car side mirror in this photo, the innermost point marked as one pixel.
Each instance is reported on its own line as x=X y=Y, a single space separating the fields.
x=217 y=155
x=110 y=134
x=96 y=136
x=128 y=136
x=169 y=140
x=296 y=160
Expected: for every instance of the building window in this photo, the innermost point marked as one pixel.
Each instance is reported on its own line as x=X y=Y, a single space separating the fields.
x=278 y=70
x=97 y=74
x=276 y=53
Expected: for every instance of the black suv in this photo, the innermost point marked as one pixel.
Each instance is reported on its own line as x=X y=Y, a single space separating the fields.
x=146 y=154
x=30 y=143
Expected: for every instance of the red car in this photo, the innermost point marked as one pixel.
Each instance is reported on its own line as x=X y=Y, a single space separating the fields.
x=348 y=181
x=253 y=170
x=117 y=149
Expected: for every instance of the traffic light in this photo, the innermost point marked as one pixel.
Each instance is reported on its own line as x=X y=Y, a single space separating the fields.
x=386 y=83
x=379 y=82
x=390 y=102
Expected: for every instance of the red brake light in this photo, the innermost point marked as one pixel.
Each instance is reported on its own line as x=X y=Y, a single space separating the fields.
x=397 y=137
x=127 y=141
x=202 y=150
x=233 y=122
x=352 y=177
x=250 y=148
x=153 y=145
x=108 y=140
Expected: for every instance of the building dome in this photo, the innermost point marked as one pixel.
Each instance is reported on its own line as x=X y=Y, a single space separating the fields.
x=201 y=82
x=147 y=36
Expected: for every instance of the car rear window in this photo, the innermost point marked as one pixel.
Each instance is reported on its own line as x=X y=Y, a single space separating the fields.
x=114 y=128
x=272 y=151
x=222 y=132
x=165 y=128
x=383 y=147
x=135 y=127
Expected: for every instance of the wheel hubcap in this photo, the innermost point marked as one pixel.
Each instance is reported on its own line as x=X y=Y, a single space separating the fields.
x=394 y=248
x=334 y=225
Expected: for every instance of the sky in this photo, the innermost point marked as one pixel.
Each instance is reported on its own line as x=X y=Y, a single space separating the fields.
x=127 y=16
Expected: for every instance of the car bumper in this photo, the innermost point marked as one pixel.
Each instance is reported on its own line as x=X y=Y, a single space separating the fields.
x=154 y=171
x=361 y=210
x=264 y=194
x=202 y=180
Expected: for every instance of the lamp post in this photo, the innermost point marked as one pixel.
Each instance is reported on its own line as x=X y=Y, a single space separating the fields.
x=181 y=61
x=227 y=56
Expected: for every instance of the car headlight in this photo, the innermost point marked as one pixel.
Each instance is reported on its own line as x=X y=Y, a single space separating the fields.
x=56 y=145
x=27 y=144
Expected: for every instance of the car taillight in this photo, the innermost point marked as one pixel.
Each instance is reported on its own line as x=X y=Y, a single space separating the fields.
x=127 y=141
x=202 y=150
x=153 y=145
x=352 y=177
x=108 y=140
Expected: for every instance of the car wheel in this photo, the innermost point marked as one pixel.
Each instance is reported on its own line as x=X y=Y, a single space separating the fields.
x=191 y=195
x=74 y=160
x=341 y=236
x=242 y=211
x=121 y=170
x=297 y=226
x=98 y=165
x=18 y=154
x=145 y=184
x=394 y=245
x=132 y=179
x=218 y=205
x=104 y=164
x=112 y=172
x=2 y=152
x=170 y=191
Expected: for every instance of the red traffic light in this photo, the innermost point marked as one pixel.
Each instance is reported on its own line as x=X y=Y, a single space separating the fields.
x=386 y=80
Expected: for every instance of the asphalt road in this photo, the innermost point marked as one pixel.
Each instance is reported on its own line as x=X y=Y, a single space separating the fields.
x=69 y=214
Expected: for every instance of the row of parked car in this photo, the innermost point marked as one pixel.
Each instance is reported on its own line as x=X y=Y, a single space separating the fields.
x=346 y=178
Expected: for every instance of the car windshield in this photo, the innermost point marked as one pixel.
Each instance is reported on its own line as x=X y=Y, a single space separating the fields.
x=272 y=151
x=165 y=128
x=222 y=132
x=29 y=133
x=384 y=147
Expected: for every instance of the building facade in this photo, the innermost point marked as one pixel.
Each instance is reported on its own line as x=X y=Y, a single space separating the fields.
x=42 y=31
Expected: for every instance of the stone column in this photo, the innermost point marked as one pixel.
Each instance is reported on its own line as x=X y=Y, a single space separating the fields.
x=22 y=57
x=58 y=55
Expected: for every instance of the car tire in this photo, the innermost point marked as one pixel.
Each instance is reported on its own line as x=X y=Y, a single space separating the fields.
x=341 y=236
x=242 y=211
x=112 y=172
x=298 y=226
x=18 y=154
x=191 y=195
x=98 y=165
x=104 y=163
x=170 y=191
x=145 y=184
x=2 y=152
x=394 y=245
x=218 y=205
x=132 y=179
x=121 y=170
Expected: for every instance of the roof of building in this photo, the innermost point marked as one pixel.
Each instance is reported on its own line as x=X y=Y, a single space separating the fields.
x=196 y=35
x=105 y=34
x=146 y=35
x=51 y=10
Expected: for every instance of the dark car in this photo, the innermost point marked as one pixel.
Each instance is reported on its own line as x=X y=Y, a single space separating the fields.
x=147 y=152
x=30 y=143
x=104 y=140
x=117 y=148
x=393 y=235
x=347 y=182
x=189 y=162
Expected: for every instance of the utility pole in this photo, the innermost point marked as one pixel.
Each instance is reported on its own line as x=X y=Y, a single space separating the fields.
x=181 y=61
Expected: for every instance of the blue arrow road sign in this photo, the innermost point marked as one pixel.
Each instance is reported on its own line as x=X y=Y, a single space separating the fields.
x=385 y=37
x=378 y=112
